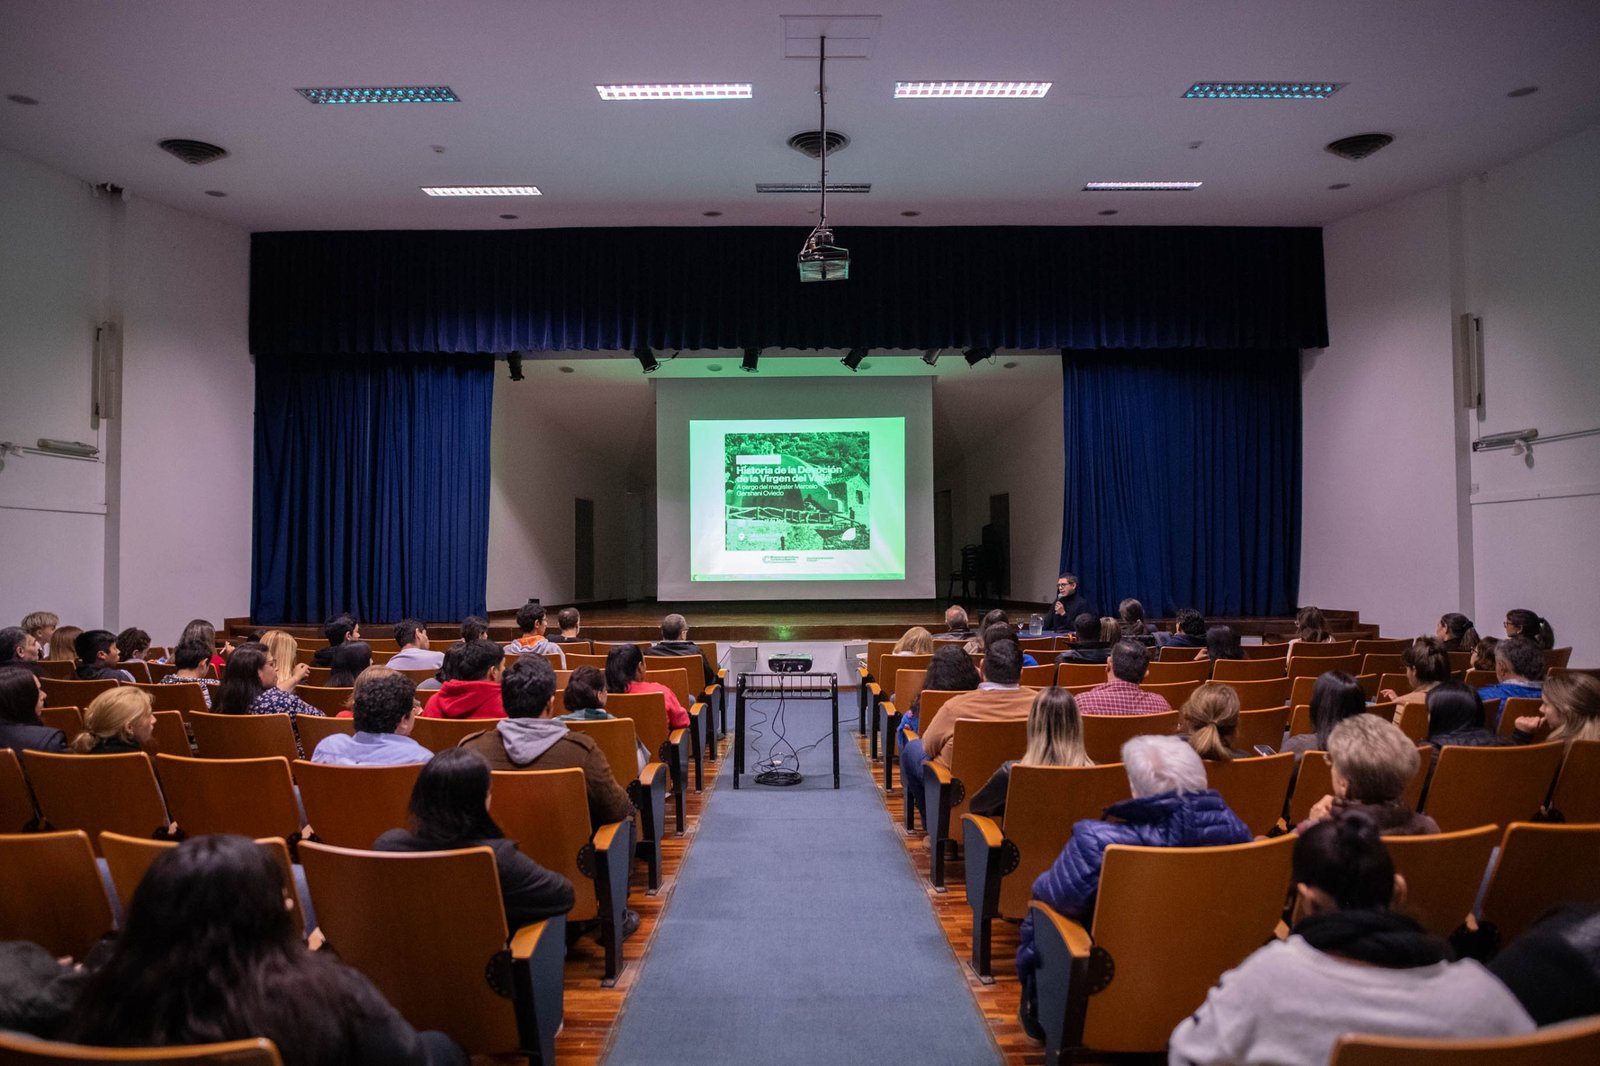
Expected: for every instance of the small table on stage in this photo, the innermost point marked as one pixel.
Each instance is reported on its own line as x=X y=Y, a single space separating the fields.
x=783 y=687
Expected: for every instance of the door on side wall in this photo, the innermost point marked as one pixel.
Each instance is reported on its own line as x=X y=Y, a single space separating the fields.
x=997 y=544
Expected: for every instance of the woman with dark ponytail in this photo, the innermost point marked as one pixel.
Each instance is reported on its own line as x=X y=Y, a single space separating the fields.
x=1353 y=964
x=1521 y=622
x=1457 y=632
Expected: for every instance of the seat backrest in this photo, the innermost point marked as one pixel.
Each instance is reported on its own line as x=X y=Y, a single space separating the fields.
x=1481 y=678
x=1577 y=791
x=137 y=669
x=1512 y=708
x=1069 y=674
x=317 y=675
x=603 y=648
x=1176 y=693
x=1316 y=665
x=97 y=792
x=617 y=740
x=980 y=748
x=547 y=813
x=888 y=675
x=577 y=659
x=908 y=684
x=180 y=697
x=1104 y=734
x=127 y=858
x=1300 y=720
x=1557 y=658
x=1145 y=907
x=1160 y=673
x=418 y=674
x=51 y=892
x=67 y=719
x=1459 y=662
x=437 y=734
x=57 y=668
x=876 y=650
x=243 y=736
x=1249 y=669
x=1476 y=786
x=677 y=680
x=21 y=1050
x=69 y=693
x=1260 y=695
x=1574 y=1042
x=1378 y=662
x=351 y=806
x=1261 y=727
x=1398 y=683
x=1383 y=645
x=325 y=699
x=169 y=735
x=17 y=812
x=251 y=797
x=1169 y=653
x=160 y=670
x=1254 y=788
x=1275 y=650
x=1041 y=676
x=1413 y=718
x=1538 y=867
x=1328 y=649
x=1315 y=780
x=314 y=730
x=692 y=666
x=1300 y=690
x=649 y=713
x=933 y=701
x=1042 y=805
x=406 y=918
x=1443 y=873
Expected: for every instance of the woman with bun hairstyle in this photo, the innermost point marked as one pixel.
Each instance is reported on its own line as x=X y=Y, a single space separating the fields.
x=1456 y=630
x=1521 y=622
x=117 y=722
x=1209 y=720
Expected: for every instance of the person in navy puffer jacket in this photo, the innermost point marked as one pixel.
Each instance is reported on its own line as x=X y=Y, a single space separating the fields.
x=1171 y=807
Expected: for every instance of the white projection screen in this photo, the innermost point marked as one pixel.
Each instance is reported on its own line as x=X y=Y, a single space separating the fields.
x=794 y=488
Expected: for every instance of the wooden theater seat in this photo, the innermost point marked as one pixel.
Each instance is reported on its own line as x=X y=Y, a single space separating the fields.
x=437 y=734
x=314 y=731
x=1479 y=786
x=1538 y=867
x=17 y=1049
x=97 y=792
x=647 y=788
x=1176 y=694
x=250 y=797
x=1261 y=728
x=1512 y=708
x=890 y=712
x=1317 y=665
x=67 y=719
x=885 y=688
x=1568 y=1043
x=1169 y=653
x=1315 y=780
x=649 y=713
x=1260 y=695
x=979 y=748
x=676 y=679
x=180 y=697
x=1071 y=675
x=244 y=736
x=17 y=812
x=1231 y=670
x=1443 y=873
x=1576 y=797
x=169 y=735
x=67 y=693
x=351 y=806
x=1104 y=734
x=1328 y=649
x=329 y=701
x=51 y=892
x=1255 y=789
x=127 y=859
x=1160 y=673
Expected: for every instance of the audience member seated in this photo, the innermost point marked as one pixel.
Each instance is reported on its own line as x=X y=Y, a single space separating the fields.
x=1310 y=626
x=1455 y=717
x=63 y=645
x=474 y=627
x=411 y=636
x=1427 y=666
x=450 y=810
x=285 y=650
x=995 y=617
x=349 y=659
x=1553 y=968
x=1121 y=694
x=338 y=630
x=98 y=656
x=1456 y=632
x=41 y=626
x=1483 y=653
x=200 y=629
x=569 y=622
x=209 y=953
x=473 y=690
x=1570 y=711
x=1209 y=720
x=1373 y=762
x=1190 y=633
x=584 y=700
x=1055 y=738
x=1088 y=647
x=1171 y=808
x=914 y=641
x=250 y=686
x=132 y=644
x=625 y=673
x=1519 y=670
x=1353 y=964
x=18 y=647
x=675 y=641
x=193 y=661
x=1069 y=604
x=37 y=990
x=1334 y=697
x=383 y=705
x=997 y=698
x=118 y=722
x=531 y=626
x=950 y=670
x=1130 y=616
x=530 y=737
x=1528 y=625
x=955 y=623
x=1221 y=643
x=21 y=700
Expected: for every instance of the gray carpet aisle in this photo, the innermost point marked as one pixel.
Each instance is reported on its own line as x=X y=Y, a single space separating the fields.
x=798 y=933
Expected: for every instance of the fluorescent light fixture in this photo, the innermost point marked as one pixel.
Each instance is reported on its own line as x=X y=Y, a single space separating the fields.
x=721 y=90
x=1262 y=90
x=812 y=186
x=482 y=190
x=945 y=90
x=383 y=94
x=1141 y=186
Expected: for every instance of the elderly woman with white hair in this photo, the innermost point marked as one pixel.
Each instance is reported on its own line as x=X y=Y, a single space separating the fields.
x=1171 y=807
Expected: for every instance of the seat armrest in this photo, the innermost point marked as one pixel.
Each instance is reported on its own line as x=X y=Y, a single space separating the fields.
x=525 y=941
x=1062 y=981
x=939 y=771
x=981 y=831
x=1073 y=936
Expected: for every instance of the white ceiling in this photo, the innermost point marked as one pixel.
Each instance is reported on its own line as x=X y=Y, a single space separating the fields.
x=114 y=77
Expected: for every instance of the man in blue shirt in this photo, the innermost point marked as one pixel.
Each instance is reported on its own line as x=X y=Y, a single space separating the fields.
x=1519 y=670
x=383 y=708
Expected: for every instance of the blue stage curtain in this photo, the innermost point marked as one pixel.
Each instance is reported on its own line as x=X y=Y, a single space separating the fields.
x=1183 y=479
x=371 y=487
x=909 y=288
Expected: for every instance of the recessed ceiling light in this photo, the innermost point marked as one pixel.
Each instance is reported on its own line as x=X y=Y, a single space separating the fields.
x=383 y=94
x=481 y=190
x=1141 y=186
x=1526 y=90
x=1262 y=90
x=18 y=98
x=949 y=90
x=508 y=218
x=723 y=90
x=216 y=192
x=1108 y=211
x=712 y=214
x=910 y=214
x=1340 y=185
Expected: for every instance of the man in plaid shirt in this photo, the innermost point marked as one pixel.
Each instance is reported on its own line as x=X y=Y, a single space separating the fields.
x=1121 y=693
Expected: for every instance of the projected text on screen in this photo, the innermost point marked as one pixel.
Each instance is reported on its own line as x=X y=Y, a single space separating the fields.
x=797 y=499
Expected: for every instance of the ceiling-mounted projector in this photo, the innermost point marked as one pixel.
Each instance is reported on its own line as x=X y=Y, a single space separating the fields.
x=821 y=259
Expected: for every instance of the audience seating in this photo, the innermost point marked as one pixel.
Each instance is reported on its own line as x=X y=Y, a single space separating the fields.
x=20 y=1050
x=1374 y=662
x=136 y=669
x=1104 y=734
x=979 y=749
x=1315 y=780
x=329 y=701
x=1557 y=658
x=1146 y=963
x=1231 y=670
x=317 y=675
x=17 y=813
x=1317 y=665
x=603 y=648
x=888 y=716
x=243 y=736
x=649 y=713
x=1443 y=874
x=883 y=688
x=1413 y=718
x=1160 y=673
x=437 y=734
x=1331 y=649
x=1176 y=694
x=676 y=679
x=1459 y=662
x=1512 y=708
x=62 y=669
x=127 y=859
x=351 y=806
x=1069 y=675
x=1261 y=727
x=699 y=689
x=1477 y=786
x=51 y=892
x=314 y=731
x=1481 y=678
x=381 y=912
x=169 y=735
x=1571 y=1042
x=867 y=673
x=597 y=661
x=1265 y=651
x=1003 y=858
x=1538 y=867
x=58 y=693
x=1029 y=645
x=1042 y=675
x=618 y=741
x=1300 y=718
x=251 y=797
x=160 y=670
x=67 y=719
x=1261 y=695
x=418 y=676
x=1383 y=645
x=185 y=699
x=1254 y=788
x=578 y=646
x=1169 y=653
x=1576 y=797
x=96 y=793
x=547 y=813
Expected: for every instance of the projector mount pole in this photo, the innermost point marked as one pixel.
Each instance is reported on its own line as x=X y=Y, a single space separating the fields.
x=822 y=118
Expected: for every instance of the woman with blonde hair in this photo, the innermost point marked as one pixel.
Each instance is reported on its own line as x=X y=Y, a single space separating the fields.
x=1210 y=721
x=1055 y=738
x=915 y=641
x=1571 y=709
x=283 y=648
x=116 y=723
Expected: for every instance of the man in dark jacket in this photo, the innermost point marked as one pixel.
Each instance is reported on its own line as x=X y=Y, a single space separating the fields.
x=675 y=641
x=1171 y=807
x=1069 y=604
x=337 y=630
x=1191 y=631
x=1088 y=648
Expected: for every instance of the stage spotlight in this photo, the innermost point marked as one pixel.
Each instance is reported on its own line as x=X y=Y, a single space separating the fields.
x=974 y=356
x=931 y=356
x=752 y=356
x=514 y=365
x=647 y=359
x=853 y=358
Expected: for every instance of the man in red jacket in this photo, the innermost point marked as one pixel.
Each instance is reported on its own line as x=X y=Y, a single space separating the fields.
x=473 y=690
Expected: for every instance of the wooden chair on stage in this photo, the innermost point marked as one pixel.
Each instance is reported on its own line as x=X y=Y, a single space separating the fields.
x=617 y=739
x=1538 y=867
x=1254 y=788
x=19 y=1050
x=99 y=792
x=1572 y=1042
x=351 y=806
x=1480 y=786
x=649 y=713
x=1443 y=874
x=51 y=892
x=1104 y=734
x=979 y=749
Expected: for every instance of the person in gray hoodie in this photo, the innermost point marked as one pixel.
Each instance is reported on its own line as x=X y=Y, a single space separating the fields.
x=530 y=738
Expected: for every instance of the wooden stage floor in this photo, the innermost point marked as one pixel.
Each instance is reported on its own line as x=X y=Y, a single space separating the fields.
x=766 y=620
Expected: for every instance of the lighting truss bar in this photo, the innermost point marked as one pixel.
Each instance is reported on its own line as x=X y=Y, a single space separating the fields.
x=949 y=90
x=1141 y=186
x=813 y=187
x=736 y=90
x=383 y=94
x=1262 y=90
x=482 y=190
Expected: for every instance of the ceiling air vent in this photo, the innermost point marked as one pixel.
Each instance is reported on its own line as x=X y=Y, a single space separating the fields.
x=810 y=142
x=1359 y=146
x=195 y=153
